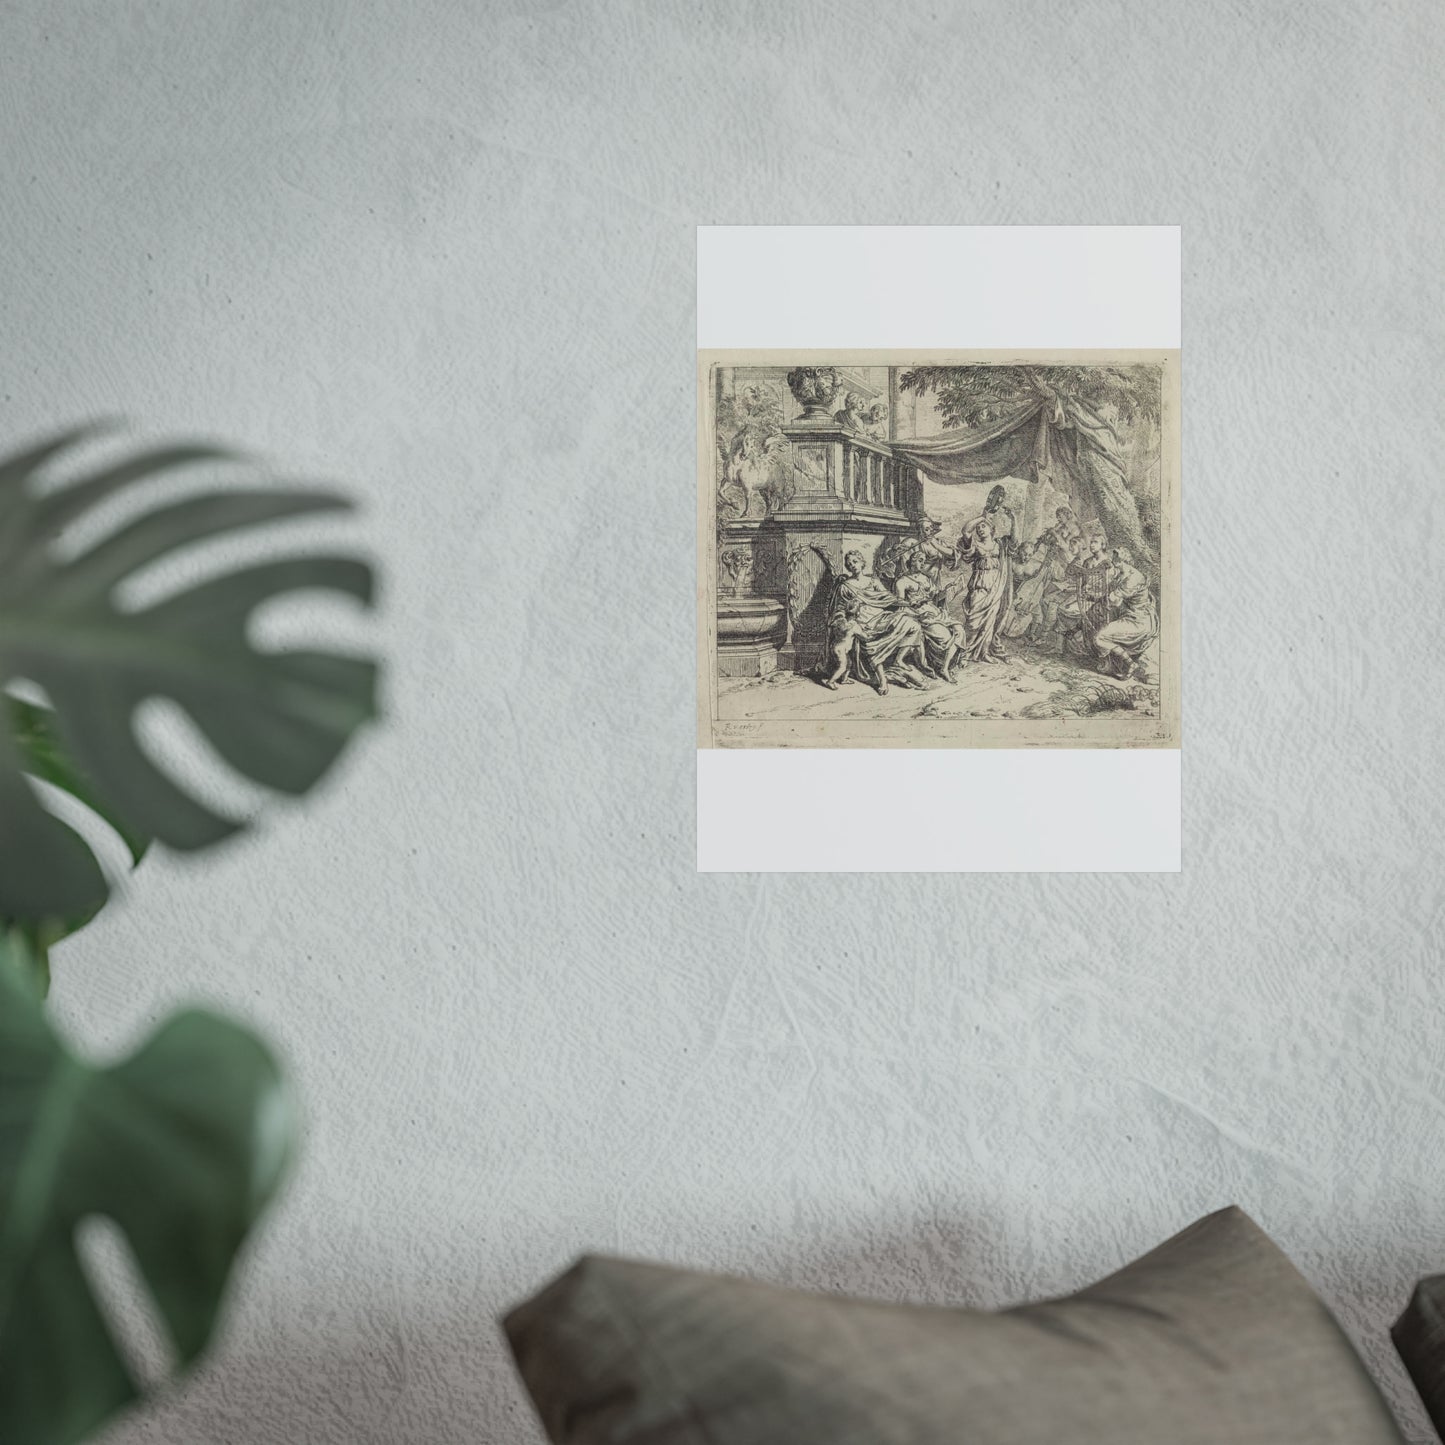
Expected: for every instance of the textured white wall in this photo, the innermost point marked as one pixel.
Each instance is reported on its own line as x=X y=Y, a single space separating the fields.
x=445 y=251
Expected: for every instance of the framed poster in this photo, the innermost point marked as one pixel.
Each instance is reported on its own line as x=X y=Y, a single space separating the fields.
x=1006 y=668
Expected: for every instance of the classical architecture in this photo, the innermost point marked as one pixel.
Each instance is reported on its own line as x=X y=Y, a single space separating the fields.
x=806 y=473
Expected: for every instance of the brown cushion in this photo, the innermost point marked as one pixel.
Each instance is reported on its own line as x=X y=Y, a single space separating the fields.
x=1419 y=1336
x=1213 y=1337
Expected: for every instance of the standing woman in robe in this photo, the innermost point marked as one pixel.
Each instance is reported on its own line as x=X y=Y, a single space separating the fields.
x=990 y=591
x=1001 y=520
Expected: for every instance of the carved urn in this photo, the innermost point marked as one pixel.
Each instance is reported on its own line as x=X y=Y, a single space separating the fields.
x=814 y=387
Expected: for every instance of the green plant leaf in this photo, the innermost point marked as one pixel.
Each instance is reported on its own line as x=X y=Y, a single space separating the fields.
x=182 y=1145
x=38 y=738
x=34 y=731
x=280 y=718
x=26 y=958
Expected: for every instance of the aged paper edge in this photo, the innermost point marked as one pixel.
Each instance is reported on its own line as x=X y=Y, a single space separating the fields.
x=1163 y=731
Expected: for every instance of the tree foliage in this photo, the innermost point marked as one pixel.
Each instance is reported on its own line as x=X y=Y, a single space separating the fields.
x=977 y=396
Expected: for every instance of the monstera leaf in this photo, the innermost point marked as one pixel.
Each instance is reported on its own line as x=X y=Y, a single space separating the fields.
x=33 y=729
x=38 y=739
x=181 y=1145
x=279 y=718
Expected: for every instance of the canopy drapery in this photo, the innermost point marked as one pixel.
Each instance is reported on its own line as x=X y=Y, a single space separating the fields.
x=1046 y=437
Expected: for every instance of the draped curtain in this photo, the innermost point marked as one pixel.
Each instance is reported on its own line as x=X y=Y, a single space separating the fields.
x=1049 y=437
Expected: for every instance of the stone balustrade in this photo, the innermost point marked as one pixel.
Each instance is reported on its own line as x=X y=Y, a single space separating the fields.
x=854 y=471
x=848 y=492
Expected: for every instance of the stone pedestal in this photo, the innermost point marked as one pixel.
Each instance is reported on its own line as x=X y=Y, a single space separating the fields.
x=776 y=573
x=850 y=493
x=750 y=631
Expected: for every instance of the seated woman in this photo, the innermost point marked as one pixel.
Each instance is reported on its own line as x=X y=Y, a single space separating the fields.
x=1135 y=623
x=942 y=636
x=869 y=624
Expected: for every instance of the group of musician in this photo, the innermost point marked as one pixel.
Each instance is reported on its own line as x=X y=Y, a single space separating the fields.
x=1064 y=590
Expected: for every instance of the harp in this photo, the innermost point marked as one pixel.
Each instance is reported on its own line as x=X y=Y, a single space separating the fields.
x=1094 y=598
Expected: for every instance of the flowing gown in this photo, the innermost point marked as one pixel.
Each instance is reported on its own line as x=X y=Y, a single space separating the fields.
x=1030 y=580
x=990 y=593
x=940 y=631
x=886 y=628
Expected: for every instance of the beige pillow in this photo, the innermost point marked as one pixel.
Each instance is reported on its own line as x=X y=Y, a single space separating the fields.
x=1213 y=1338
